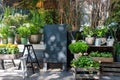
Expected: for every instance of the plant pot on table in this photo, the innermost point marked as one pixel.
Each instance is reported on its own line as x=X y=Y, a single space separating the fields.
x=35 y=39
x=24 y=40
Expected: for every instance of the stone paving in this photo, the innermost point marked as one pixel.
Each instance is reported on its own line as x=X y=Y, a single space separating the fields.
x=55 y=74
x=51 y=74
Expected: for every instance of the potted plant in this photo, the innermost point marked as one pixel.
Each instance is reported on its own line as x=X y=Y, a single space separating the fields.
x=88 y=33
x=4 y=33
x=86 y=67
x=24 y=32
x=100 y=33
x=37 y=22
x=78 y=48
x=11 y=18
x=35 y=35
x=11 y=34
x=102 y=56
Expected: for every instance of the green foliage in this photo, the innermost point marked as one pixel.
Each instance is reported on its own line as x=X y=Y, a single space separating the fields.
x=11 y=32
x=117 y=48
x=8 y=11
x=114 y=30
x=38 y=17
x=51 y=16
x=100 y=54
x=34 y=29
x=9 y=49
x=85 y=62
x=4 y=31
x=14 y=20
x=23 y=30
x=114 y=12
x=87 y=31
x=101 y=31
x=79 y=46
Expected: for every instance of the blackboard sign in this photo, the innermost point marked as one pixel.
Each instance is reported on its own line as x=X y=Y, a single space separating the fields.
x=55 y=39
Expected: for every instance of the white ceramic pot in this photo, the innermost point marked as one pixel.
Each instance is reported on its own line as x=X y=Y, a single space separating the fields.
x=89 y=40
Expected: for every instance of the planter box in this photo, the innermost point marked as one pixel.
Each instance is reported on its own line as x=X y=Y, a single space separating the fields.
x=10 y=56
x=83 y=73
x=102 y=59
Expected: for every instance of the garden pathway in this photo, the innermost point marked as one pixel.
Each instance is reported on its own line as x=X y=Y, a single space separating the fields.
x=55 y=74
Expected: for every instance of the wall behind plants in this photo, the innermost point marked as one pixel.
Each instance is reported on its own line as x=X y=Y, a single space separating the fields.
x=72 y=12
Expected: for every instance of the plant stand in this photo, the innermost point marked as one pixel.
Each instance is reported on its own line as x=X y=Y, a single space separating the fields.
x=83 y=73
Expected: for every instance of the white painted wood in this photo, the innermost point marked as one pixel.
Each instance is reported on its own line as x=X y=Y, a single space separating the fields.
x=22 y=72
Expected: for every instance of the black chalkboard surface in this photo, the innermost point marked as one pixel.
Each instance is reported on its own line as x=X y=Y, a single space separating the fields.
x=55 y=39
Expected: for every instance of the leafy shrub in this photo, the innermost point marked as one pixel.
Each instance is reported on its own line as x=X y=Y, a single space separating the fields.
x=23 y=30
x=87 y=31
x=85 y=62
x=79 y=46
x=101 y=31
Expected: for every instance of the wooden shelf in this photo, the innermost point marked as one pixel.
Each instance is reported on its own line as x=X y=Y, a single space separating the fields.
x=101 y=48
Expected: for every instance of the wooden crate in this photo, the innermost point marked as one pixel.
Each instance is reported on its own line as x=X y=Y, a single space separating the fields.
x=110 y=68
x=83 y=73
x=102 y=59
x=10 y=56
